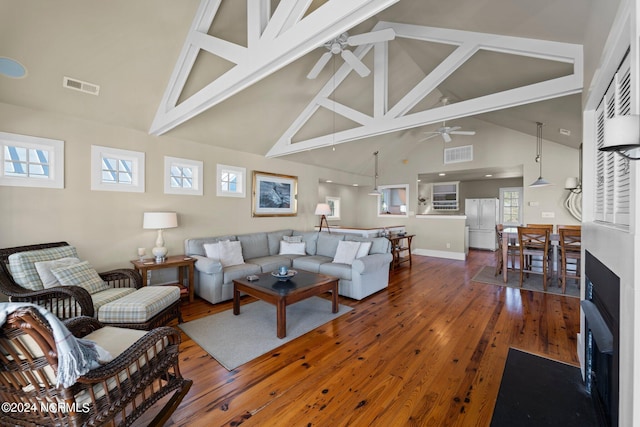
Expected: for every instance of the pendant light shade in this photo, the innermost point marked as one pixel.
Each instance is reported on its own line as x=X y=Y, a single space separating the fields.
x=375 y=191
x=540 y=182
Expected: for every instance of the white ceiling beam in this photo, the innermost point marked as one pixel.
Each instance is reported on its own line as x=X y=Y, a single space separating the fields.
x=345 y=111
x=397 y=118
x=258 y=14
x=286 y=15
x=562 y=86
x=222 y=48
x=380 y=79
x=263 y=58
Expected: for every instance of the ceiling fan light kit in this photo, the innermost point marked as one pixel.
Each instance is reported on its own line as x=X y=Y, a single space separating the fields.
x=339 y=45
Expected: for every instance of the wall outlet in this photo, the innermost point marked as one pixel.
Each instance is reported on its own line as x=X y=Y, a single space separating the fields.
x=448 y=245
x=533 y=203
x=548 y=214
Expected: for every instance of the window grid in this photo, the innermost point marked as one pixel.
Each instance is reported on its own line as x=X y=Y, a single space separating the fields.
x=181 y=177
x=117 y=171
x=229 y=181
x=26 y=162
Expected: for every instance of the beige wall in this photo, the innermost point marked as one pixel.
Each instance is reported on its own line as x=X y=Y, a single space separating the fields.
x=348 y=202
x=493 y=146
x=106 y=227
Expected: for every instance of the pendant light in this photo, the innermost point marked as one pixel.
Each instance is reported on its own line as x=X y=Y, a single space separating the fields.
x=375 y=191
x=540 y=182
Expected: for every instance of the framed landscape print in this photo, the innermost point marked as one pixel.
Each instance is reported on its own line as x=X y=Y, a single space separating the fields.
x=274 y=194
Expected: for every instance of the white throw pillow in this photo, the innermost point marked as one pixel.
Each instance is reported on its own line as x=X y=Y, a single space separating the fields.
x=346 y=252
x=212 y=250
x=364 y=249
x=287 y=248
x=44 y=270
x=231 y=253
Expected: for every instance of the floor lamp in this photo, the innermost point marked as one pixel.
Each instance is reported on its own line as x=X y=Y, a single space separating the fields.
x=323 y=209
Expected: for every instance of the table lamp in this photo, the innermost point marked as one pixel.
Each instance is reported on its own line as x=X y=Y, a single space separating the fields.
x=159 y=221
x=323 y=209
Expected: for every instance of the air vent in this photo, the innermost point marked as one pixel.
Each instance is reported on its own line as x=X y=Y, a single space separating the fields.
x=458 y=154
x=81 y=86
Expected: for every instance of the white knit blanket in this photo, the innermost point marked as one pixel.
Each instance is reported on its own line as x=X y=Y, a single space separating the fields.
x=76 y=356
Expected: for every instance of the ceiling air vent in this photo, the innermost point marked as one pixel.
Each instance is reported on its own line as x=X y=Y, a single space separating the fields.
x=81 y=86
x=458 y=154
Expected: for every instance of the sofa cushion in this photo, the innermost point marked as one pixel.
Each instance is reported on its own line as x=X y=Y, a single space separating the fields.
x=342 y=271
x=310 y=239
x=228 y=253
x=81 y=274
x=346 y=252
x=328 y=244
x=44 y=270
x=240 y=271
x=22 y=264
x=271 y=263
x=254 y=245
x=311 y=263
x=287 y=248
x=274 y=238
x=379 y=245
x=104 y=297
x=196 y=246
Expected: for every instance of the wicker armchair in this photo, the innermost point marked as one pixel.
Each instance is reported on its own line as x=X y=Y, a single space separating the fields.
x=116 y=393
x=78 y=300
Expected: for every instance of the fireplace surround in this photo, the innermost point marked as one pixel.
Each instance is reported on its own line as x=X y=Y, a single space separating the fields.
x=601 y=308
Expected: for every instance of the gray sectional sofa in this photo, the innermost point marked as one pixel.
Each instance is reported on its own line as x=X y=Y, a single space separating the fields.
x=365 y=276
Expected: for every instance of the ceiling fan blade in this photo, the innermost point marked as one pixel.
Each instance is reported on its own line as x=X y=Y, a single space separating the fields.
x=430 y=136
x=324 y=59
x=463 y=132
x=355 y=63
x=453 y=128
x=446 y=137
x=372 y=37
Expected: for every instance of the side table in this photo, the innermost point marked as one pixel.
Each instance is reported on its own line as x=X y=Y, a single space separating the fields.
x=176 y=261
x=399 y=245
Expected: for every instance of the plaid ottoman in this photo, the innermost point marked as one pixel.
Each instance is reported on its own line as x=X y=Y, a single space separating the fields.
x=146 y=308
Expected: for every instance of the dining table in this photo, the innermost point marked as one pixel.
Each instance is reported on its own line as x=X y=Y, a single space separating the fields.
x=510 y=237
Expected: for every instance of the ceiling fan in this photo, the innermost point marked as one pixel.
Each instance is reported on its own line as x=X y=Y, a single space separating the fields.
x=447 y=131
x=338 y=45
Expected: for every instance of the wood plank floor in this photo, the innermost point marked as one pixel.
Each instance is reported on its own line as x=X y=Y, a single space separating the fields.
x=428 y=351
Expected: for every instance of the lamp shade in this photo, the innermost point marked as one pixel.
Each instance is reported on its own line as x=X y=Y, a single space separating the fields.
x=160 y=220
x=540 y=182
x=323 y=209
x=621 y=133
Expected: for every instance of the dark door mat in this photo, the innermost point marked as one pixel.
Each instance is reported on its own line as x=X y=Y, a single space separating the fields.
x=535 y=391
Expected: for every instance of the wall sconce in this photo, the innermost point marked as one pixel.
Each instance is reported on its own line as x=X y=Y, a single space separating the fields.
x=573 y=184
x=621 y=134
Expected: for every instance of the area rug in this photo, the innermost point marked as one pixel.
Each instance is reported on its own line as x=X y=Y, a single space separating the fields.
x=235 y=340
x=536 y=391
x=531 y=283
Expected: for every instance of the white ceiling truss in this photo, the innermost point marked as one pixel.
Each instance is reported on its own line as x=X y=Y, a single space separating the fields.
x=273 y=41
x=397 y=117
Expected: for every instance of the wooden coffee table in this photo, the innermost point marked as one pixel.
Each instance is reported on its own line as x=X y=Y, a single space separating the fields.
x=283 y=293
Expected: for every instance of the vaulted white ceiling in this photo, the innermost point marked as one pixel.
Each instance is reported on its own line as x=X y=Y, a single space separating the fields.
x=131 y=50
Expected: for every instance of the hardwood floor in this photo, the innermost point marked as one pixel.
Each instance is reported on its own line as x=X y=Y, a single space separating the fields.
x=428 y=351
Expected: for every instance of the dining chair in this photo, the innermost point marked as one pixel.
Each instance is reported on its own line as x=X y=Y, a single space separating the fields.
x=512 y=251
x=550 y=252
x=570 y=255
x=534 y=243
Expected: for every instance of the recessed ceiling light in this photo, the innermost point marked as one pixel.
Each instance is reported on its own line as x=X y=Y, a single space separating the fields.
x=12 y=68
x=328 y=180
x=488 y=175
x=442 y=174
x=355 y=185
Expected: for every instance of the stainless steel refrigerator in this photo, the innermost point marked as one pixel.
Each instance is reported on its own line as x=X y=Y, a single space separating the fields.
x=482 y=217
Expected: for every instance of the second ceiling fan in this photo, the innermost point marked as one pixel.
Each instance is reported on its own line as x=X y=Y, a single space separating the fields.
x=339 y=44
x=446 y=131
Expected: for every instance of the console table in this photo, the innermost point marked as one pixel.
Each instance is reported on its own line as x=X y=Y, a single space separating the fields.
x=400 y=249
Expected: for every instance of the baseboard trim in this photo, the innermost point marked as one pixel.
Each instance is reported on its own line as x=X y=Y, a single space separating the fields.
x=460 y=256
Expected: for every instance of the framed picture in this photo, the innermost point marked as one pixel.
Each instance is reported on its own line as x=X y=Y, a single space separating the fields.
x=334 y=204
x=274 y=194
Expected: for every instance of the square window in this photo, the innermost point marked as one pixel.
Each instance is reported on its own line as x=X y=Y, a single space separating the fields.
x=29 y=161
x=182 y=176
x=113 y=169
x=231 y=181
